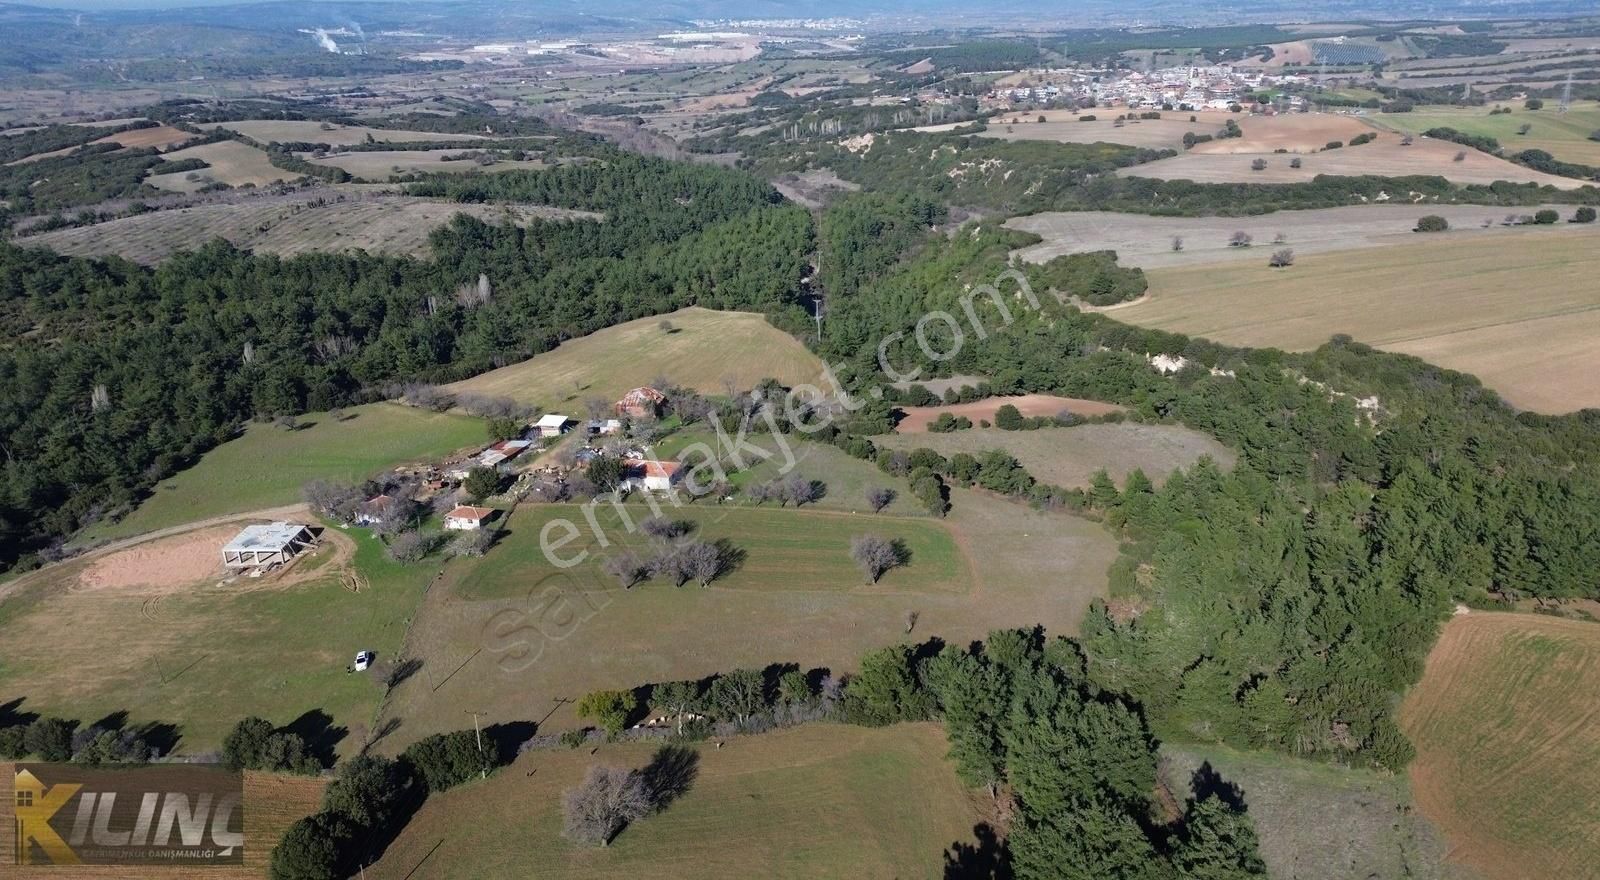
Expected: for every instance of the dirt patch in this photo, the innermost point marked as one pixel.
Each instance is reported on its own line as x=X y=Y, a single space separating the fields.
x=161 y=565
x=180 y=562
x=917 y=418
x=161 y=136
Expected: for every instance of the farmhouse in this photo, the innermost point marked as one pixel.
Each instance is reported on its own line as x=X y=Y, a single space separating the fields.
x=374 y=509
x=465 y=519
x=266 y=545
x=641 y=403
x=552 y=425
x=604 y=427
x=651 y=476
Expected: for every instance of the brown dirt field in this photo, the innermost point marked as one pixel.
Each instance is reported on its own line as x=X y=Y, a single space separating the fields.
x=1503 y=721
x=311 y=132
x=383 y=165
x=1164 y=133
x=272 y=802
x=1295 y=132
x=1385 y=157
x=166 y=564
x=917 y=418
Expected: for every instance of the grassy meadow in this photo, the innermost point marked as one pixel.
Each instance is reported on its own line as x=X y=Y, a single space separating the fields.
x=205 y=656
x=1519 y=310
x=267 y=466
x=1562 y=135
x=702 y=349
x=818 y=801
x=1507 y=751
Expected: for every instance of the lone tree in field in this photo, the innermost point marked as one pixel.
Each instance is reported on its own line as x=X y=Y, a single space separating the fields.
x=1258 y=164
x=627 y=567
x=1584 y=214
x=1239 y=239
x=1282 y=258
x=1432 y=223
x=597 y=810
x=879 y=498
x=1177 y=243
x=1295 y=162
x=875 y=555
x=1461 y=156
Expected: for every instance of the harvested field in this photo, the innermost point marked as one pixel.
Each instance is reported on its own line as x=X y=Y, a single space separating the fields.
x=370 y=165
x=1506 y=745
x=1147 y=241
x=1384 y=157
x=917 y=418
x=1295 y=132
x=231 y=162
x=168 y=563
x=1520 y=310
x=272 y=802
x=286 y=226
x=872 y=803
x=1070 y=456
x=554 y=635
x=161 y=137
x=1165 y=133
x=268 y=131
x=702 y=349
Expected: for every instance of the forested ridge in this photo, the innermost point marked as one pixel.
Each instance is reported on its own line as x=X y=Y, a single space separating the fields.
x=189 y=349
x=1285 y=604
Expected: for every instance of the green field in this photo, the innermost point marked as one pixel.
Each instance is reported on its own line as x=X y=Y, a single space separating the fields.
x=1070 y=456
x=267 y=465
x=815 y=802
x=784 y=549
x=202 y=656
x=1562 y=135
x=703 y=350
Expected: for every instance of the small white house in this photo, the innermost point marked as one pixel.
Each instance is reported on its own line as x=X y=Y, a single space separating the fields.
x=465 y=519
x=604 y=427
x=552 y=425
x=651 y=476
x=373 y=510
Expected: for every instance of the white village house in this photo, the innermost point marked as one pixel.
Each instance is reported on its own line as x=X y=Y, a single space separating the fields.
x=466 y=519
x=650 y=476
x=261 y=546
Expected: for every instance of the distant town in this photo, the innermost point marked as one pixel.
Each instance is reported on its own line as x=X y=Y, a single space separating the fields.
x=1211 y=87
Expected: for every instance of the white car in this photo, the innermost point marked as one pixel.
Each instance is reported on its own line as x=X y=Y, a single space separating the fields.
x=363 y=660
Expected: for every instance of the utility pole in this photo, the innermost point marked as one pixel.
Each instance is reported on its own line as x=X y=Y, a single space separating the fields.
x=483 y=772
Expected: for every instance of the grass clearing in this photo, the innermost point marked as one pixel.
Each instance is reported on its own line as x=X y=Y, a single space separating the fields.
x=1562 y=135
x=1070 y=456
x=1519 y=310
x=310 y=131
x=1321 y=821
x=917 y=418
x=230 y=162
x=1506 y=745
x=202 y=658
x=370 y=165
x=816 y=801
x=703 y=350
x=554 y=635
x=285 y=225
x=267 y=465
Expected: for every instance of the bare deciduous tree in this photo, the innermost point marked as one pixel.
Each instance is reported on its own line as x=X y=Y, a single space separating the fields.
x=627 y=567
x=880 y=498
x=875 y=555
x=1281 y=258
x=1239 y=239
x=596 y=811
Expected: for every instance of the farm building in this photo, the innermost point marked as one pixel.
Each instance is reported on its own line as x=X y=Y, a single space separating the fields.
x=465 y=519
x=604 y=427
x=651 y=476
x=267 y=545
x=641 y=403
x=374 y=509
x=552 y=425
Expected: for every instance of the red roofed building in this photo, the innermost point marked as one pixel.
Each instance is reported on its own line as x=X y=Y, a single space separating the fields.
x=641 y=403
x=651 y=476
x=468 y=518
